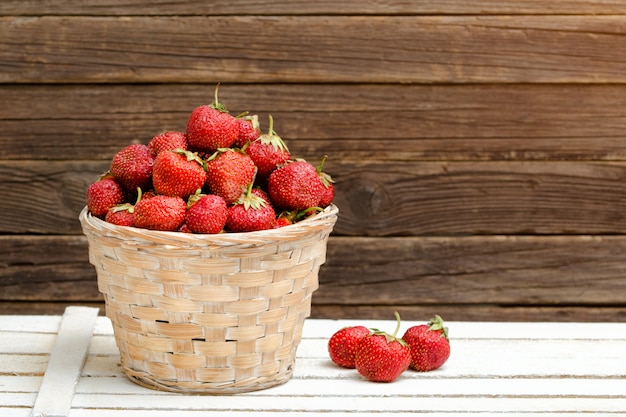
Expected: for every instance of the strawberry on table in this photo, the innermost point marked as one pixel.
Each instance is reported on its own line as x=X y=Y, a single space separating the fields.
x=228 y=173
x=430 y=346
x=104 y=194
x=178 y=173
x=211 y=127
x=132 y=166
x=343 y=343
x=206 y=214
x=381 y=357
x=160 y=212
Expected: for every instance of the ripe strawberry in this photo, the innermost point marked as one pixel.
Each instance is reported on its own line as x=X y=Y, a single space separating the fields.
x=268 y=151
x=295 y=186
x=342 y=345
x=160 y=212
x=211 y=127
x=248 y=130
x=381 y=357
x=121 y=215
x=178 y=173
x=228 y=173
x=282 y=222
x=206 y=213
x=430 y=346
x=329 y=193
x=168 y=141
x=124 y=214
x=132 y=167
x=103 y=194
x=250 y=213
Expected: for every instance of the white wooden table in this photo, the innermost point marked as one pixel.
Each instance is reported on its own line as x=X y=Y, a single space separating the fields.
x=513 y=368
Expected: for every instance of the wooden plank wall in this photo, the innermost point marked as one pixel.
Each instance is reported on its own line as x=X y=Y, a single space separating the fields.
x=478 y=146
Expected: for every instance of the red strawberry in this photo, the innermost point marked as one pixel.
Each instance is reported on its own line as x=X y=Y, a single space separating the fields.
x=282 y=222
x=262 y=194
x=228 y=174
x=132 y=166
x=167 y=141
x=211 y=127
x=250 y=212
x=206 y=213
x=295 y=186
x=160 y=212
x=342 y=345
x=121 y=215
x=102 y=195
x=430 y=346
x=268 y=151
x=328 y=196
x=381 y=357
x=248 y=130
x=124 y=214
x=329 y=193
x=178 y=173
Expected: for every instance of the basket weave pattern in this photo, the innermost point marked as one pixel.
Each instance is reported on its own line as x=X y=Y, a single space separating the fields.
x=208 y=313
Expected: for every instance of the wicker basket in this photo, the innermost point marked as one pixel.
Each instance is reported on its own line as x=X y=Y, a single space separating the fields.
x=208 y=314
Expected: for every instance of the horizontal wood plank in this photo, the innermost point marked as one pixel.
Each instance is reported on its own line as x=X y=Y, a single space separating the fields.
x=304 y=7
x=496 y=278
x=257 y=49
x=345 y=121
x=378 y=198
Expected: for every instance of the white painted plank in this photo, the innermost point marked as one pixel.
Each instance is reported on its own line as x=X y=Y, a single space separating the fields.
x=419 y=386
x=103 y=326
x=30 y=324
x=14 y=412
x=18 y=399
x=66 y=361
x=103 y=345
x=14 y=364
x=469 y=358
x=26 y=343
x=352 y=404
x=19 y=383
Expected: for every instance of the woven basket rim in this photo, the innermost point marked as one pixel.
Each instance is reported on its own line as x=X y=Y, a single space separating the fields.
x=323 y=219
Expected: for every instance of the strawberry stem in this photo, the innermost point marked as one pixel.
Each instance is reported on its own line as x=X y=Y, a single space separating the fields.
x=216 y=104
x=395 y=332
x=436 y=323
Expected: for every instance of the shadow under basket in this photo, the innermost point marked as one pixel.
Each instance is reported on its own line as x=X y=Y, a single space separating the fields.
x=208 y=314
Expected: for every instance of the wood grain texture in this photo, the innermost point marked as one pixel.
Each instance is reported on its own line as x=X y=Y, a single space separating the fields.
x=379 y=274
x=378 y=198
x=354 y=49
x=357 y=122
x=304 y=7
x=478 y=147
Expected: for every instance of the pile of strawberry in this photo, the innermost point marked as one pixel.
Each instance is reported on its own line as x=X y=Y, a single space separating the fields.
x=221 y=175
x=383 y=357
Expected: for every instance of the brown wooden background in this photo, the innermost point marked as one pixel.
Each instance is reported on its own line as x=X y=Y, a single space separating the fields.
x=479 y=147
